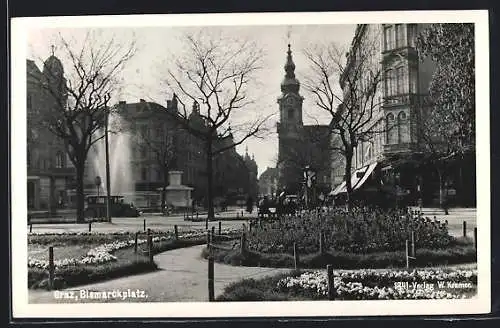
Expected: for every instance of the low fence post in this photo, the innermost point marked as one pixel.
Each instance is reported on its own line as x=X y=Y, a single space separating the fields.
x=210 y=279
x=144 y=224
x=321 y=241
x=90 y=226
x=150 y=249
x=31 y=227
x=464 y=228
x=407 y=256
x=413 y=244
x=213 y=233
x=243 y=243
x=220 y=227
x=51 y=267
x=135 y=242
x=475 y=238
x=331 y=284
x=295 y=256
x=176 y=231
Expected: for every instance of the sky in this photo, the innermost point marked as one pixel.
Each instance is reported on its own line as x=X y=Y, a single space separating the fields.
x=158 y=46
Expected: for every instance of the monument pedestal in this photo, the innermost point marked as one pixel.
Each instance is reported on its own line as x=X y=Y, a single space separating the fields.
x=177 y=195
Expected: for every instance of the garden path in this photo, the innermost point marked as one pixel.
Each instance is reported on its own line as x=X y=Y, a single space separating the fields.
x=182 y=276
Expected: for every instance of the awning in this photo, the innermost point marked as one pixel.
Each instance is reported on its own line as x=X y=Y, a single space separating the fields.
x=367 y=174
x=358 y=178
x=337 y=189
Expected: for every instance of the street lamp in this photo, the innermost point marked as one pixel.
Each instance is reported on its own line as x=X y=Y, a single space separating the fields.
x=108 y=182
x=309 y=177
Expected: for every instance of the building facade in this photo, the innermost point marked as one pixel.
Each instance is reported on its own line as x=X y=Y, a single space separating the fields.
x=299 y=145
x=159 y=143
x=385 y=159
x=268 y=182
x=50 y=174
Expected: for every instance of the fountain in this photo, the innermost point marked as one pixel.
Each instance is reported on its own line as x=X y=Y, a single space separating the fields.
x=120 y=159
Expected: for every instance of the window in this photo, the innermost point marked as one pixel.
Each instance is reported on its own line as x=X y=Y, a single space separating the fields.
x=388 y=37
x=143 y=129
x=290 y=112
x=144 y=152
x=392 y=132
x=400 y=80
x=412 y=34
x=28 y=158
x=159 y=132
x=400 y=37
x=403 y=128
x=59 y=160
x=144 y=174
x=413 y=79
x=390 y=83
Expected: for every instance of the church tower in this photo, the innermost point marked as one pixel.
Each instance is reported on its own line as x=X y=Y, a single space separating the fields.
x=290 y=129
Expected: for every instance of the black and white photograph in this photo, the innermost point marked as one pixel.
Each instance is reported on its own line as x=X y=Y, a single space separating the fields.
x=277 y=164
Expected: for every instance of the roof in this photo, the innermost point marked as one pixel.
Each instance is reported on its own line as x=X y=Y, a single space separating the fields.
x=270 y=172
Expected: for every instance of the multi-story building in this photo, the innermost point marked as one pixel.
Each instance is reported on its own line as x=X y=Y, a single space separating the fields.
x=401 y=98
x=268 y=182
x=49 y=171
x=159 y=143
x=299 y=145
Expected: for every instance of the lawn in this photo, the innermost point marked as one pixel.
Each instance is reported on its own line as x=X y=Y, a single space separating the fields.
x=41 y=252
x=90 y=257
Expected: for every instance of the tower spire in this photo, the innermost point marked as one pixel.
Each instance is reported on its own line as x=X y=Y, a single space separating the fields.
x=52 y=48
x=290 y=65
x=290 y=82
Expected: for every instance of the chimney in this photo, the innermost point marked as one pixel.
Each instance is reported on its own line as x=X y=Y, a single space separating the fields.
x=169 y=104
x=142 y=100
x=122 y=102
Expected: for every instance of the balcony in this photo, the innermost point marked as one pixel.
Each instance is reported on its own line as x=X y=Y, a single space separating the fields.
x=409 y=99
x=405 y=52
x=399 y=148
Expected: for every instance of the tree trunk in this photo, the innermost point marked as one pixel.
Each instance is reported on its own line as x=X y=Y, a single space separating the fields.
x=164 y=190
x=348 y=186
x=80 y=194
x=460 y=187
x=210 y=214
x=442 y=191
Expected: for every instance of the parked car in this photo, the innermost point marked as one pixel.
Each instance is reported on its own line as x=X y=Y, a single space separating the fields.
x=96 y=207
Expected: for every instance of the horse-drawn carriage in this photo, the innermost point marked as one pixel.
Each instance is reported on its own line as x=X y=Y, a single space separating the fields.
x=286 y=205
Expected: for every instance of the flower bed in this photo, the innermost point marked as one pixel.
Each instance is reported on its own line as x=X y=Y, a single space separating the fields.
x=360 y=231
x=113 y=258
x=103 y=253
x=371 y=284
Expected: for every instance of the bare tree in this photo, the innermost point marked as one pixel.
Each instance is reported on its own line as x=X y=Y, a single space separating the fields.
x=80 y=96
x=354 y=104
x=214 y=74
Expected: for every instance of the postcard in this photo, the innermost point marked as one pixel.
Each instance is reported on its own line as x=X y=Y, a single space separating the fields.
x=247 y=165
